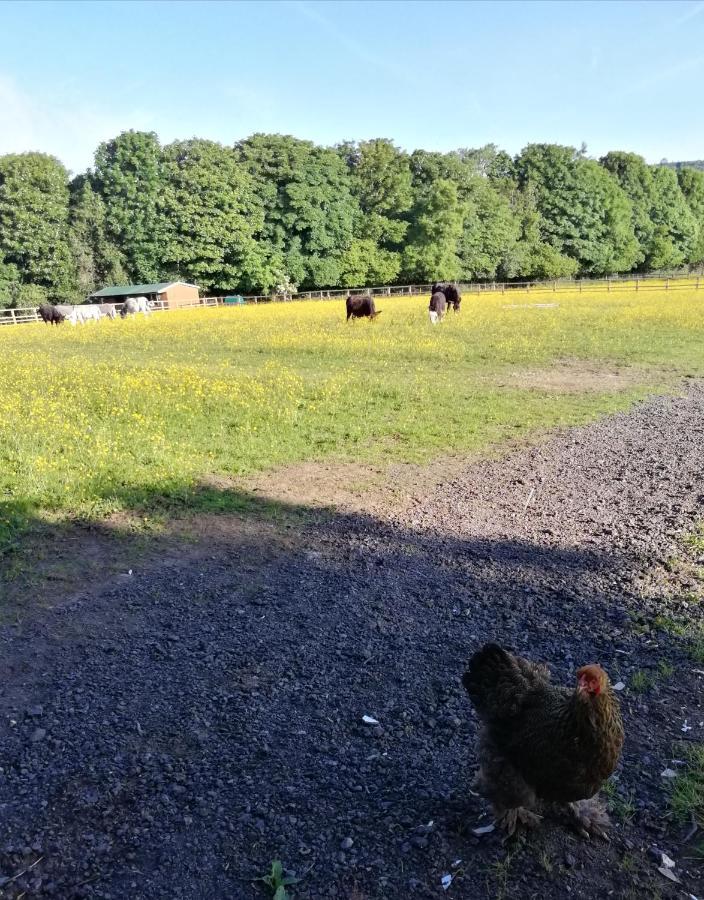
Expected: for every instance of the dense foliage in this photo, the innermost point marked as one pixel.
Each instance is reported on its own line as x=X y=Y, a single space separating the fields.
x=275 y=210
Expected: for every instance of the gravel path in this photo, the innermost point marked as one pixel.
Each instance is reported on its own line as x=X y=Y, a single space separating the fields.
x=172 y=735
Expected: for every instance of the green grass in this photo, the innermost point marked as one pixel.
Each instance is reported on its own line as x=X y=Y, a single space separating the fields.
x=696 y=540
x=696 y=644
x=622 y=805
x=687 y=799
x=143 y=415
x=641 y=682
x=498 y=878
x=665 y=669
x=691 y=630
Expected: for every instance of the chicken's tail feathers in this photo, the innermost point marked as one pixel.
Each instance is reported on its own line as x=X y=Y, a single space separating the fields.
x=485 y=667
x=494 y=675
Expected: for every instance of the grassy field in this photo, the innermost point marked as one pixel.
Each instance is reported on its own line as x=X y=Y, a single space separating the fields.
x=135 y=415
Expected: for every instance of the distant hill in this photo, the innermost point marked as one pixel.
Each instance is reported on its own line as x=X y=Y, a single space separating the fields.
x=690 y=164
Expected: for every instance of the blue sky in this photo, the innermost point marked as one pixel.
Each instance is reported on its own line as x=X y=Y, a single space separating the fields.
x=435 y=75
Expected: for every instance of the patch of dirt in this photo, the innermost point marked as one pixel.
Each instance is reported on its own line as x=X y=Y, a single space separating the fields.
x=329 y=484
x=576 y=376
x=170 y=735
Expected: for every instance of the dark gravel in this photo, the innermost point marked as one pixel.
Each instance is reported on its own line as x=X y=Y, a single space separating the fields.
x=170 y=736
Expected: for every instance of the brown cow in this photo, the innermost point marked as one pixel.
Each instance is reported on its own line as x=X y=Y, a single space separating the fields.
x=360 y=307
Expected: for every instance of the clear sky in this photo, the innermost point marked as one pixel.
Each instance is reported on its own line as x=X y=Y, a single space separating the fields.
x=438 y=75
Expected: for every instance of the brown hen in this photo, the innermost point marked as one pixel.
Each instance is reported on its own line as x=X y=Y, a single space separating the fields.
x=543 y=746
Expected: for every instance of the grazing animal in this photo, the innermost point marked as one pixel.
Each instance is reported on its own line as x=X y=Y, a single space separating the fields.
x=133 y=305
x=68 y=312
x=542 y=744
x=129 y=307
x=88 y=313
x=50 y=315
x=452 y=295
x=360 y=307
x=437 y=307
x=108 y=310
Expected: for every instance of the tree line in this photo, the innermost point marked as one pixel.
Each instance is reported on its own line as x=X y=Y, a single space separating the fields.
x=273 y=209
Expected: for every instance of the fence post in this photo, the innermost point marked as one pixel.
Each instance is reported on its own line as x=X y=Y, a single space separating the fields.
x=637 y=279
x=13 y=317
x=580 y=287
x=667 y=284
x=697 y=282
x=608 y=286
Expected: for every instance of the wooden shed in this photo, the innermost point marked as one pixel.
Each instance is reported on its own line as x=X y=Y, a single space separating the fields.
x=172 y=293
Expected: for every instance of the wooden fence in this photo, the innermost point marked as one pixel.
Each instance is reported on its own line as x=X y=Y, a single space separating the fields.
x=615 y=283
x=29 y=313
x=654 y=282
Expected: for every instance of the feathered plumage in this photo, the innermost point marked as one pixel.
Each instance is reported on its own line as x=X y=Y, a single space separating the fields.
x=542 y=742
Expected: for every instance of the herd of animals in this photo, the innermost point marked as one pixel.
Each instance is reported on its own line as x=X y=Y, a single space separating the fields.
x=443 y=296
x=88 y=312
x=543 y=749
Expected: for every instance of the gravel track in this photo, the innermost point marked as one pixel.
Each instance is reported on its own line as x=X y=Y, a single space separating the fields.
x=171 y=735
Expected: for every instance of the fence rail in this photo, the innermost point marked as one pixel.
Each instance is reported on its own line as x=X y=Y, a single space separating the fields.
x=29 y=313
x=652 y=282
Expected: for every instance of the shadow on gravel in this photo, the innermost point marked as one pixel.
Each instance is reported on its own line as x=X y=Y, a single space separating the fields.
x=42 y=560
x=171 y=735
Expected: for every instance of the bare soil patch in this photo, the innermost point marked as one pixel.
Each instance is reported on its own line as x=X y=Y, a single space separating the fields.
x=576 y=376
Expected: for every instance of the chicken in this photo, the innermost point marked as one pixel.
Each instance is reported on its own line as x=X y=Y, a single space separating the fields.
x=541 y=746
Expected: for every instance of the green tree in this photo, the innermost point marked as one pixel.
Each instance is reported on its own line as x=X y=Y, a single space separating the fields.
x=676 y=230
x=532 y=258
x=34 y=232
x=364 y=262
x=10 y=283
x=490 y=162
x=490 y=231
x=309 y=211
x=382 y=185
x=97 y=260
x=431 y=251
x=489 y=225
x=128 y=177
x=584 y=214
x=212 y=214
x=664 y=226
x=691 y=182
